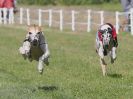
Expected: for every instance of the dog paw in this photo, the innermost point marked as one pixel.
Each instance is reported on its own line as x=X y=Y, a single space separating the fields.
x=41 y=72
x=21 y=50
x=46 y=61
x=112 y=60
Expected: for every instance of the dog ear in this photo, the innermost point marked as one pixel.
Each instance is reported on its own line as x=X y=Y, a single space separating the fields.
x=110 y=30
x=40 y=28
x=28 y=27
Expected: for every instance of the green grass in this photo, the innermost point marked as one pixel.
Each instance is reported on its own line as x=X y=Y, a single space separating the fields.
x=74 y=71
x=105 y=6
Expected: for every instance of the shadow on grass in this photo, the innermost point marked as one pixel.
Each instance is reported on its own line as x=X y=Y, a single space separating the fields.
x=48 y=88
x=115 y=75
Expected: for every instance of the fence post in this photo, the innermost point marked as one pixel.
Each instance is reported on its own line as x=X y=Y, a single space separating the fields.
x=89 y=21
x=73 y=20
x=21 y=15
x=5 y=15
x=11 y=16
x=28 y=17
x=61 y=20
x=12 y=11
x=131 y=21
x=40 y=17
x=117 y=22
x=102 y=17
x=50 y=18
x=1 y=15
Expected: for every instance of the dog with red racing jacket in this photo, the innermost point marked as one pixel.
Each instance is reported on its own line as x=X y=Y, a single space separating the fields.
x=106 y=44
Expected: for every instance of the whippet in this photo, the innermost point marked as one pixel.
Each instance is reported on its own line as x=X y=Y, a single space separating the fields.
x=35 y=47
x=106 y=43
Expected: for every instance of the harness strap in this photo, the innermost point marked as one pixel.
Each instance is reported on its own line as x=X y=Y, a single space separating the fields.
x=42 y=43
x=26 y=40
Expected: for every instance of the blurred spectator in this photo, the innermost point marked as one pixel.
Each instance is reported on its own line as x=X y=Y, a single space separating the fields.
x=2 y=3
x=15 y=7
x=127 y=5
x=1 y=6
x=9 y=5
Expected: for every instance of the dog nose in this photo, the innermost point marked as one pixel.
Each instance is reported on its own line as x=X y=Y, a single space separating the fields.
x=35 y=42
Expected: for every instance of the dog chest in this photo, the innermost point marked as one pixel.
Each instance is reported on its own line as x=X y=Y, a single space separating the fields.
x=36 y=52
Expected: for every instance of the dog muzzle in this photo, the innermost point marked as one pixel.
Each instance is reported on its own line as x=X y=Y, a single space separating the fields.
x=35 y=42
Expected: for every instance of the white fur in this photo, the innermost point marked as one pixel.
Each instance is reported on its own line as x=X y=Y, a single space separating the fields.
x=40 y=53
x=100 y=51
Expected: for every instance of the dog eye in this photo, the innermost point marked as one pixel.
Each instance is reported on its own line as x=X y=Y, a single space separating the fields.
x=38 y=32
x=110 y=35
x=109 y=30
x=30 y=33
x=101 y=31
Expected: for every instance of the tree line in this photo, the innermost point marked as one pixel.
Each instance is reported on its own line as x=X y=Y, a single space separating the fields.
x=65 y=2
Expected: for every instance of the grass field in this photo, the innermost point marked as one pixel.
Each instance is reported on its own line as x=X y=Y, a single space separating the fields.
x=105 y=6
x=74 y=71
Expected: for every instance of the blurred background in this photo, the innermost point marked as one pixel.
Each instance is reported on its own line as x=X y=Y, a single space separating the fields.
x=66 y=2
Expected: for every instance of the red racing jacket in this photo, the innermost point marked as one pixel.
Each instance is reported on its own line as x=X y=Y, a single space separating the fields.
x=2 y=3
x=114 y=34
x=9 y=4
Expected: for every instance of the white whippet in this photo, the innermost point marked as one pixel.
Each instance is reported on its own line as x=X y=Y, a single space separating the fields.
x=35 y=47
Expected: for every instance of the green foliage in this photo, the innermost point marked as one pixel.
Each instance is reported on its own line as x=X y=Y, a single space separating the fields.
x=65 y=2
x=38 y=2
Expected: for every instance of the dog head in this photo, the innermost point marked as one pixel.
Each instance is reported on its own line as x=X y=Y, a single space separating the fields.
x=106 y=34
x=33 y=34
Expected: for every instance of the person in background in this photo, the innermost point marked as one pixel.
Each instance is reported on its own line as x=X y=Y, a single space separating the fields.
x=15 y=6
x=1 y=3
x=127 y=5
x=7 y=9
x=9 y=5
x=1 y=6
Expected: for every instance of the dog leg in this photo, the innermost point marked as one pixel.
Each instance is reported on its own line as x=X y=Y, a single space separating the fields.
x=25 y=49
x=40 y=65
x=101 y=50
x=103 y=65
x=43 y=58
x=113 y=54
x=102 y=62
x=46 y=54
x=110 y=54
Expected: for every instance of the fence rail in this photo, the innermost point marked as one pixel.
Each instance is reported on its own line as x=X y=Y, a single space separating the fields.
x=86 y=20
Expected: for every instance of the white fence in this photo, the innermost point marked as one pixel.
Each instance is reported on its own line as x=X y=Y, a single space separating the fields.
x=63 y=18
